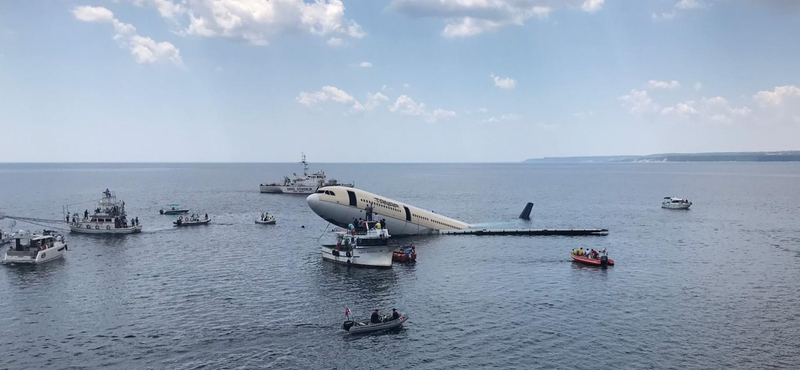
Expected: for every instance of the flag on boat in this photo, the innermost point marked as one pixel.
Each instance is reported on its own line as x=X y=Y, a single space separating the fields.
x=347 y=312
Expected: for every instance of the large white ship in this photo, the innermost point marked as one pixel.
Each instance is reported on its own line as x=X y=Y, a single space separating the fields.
x=306 y=184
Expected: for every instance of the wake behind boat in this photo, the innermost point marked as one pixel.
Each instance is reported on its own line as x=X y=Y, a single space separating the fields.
x=306 y=184
x=109 y=218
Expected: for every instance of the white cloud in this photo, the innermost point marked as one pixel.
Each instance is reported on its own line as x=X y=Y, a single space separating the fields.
x=337 y=95
x=365 y=64
x=482 y=110
x=472 y=17
x=441 y=114
x=681 y=5
x=407 y=86
x=375 y=100
x=166 y=8
x=681 y=110
x=258 y=21
x=143 y=49
x=776 y=96
x=407 y=106
x=716 y=109
x=505 y=83
x=689 y=4
x=697 y=86
x=592 y=6
x=638 y=102
x=147 y=50
x=504 y=117
x=583 y=115
x=93 y=14
x=654 y=84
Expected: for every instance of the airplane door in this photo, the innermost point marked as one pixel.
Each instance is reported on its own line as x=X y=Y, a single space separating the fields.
x=408 y=214
x=352 y=196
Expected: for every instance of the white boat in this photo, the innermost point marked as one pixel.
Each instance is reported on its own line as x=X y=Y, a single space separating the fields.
x=306 y=184
x=194 y=220
x=675 y=203
x=28 y=248
x=109 y=218
x=266 y=220
x=365 y=246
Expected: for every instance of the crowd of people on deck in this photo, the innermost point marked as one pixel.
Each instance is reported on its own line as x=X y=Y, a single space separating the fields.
x=362 y=224
x=589 y=253
x=118 y=222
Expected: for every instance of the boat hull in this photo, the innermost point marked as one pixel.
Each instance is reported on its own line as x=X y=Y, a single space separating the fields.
x=174 y=212
x=44 y=256
x=676 y=206
x=291 y=189
x=366 y=327
x=105 y=231
x=195 y=223
x=591 y=261
x=270 y=222
x=360 y=256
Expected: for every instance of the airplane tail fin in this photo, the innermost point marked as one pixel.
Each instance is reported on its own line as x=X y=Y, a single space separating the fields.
x=526 y=213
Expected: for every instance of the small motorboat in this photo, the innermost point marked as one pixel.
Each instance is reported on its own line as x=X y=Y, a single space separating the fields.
x=357 y=327
x=185 y=221
x=675 y=203
x=173 y=209
x=267 y=220
x=29 y=248
x=602 y=261
x=405 y=254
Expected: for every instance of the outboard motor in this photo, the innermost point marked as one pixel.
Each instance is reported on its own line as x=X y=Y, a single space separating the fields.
x=604 y=261
x=348 y=324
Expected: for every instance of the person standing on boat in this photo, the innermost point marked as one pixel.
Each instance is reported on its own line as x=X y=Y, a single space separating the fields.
x=375 y=319
x=395 y=314
x=206 y=216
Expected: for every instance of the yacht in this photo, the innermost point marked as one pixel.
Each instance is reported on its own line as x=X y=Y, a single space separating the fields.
x=306 y=184
x=366 y=245
x=29 y=248
x=108 y=218
x=675 y=203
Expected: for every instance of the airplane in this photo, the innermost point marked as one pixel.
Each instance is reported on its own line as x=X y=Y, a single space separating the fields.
x=339 y=205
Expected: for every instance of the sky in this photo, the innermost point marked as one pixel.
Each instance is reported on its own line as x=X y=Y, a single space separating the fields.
x=394 y=80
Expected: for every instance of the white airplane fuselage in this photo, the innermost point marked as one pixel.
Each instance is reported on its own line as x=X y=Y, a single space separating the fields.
x=340 y=205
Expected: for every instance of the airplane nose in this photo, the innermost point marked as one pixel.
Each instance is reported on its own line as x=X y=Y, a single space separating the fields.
x=313 y=201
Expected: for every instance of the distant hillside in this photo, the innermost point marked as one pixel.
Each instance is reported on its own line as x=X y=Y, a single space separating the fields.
x=787 y=156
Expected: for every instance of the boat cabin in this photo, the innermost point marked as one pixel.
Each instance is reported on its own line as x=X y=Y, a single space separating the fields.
x=30 y=244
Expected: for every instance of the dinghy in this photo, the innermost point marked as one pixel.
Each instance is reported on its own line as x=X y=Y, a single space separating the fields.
x=356 y=327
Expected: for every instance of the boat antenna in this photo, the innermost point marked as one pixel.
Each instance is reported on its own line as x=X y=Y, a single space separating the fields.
x=305 y=165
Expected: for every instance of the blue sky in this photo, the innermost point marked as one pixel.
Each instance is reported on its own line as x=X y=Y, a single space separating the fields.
x=395 y=80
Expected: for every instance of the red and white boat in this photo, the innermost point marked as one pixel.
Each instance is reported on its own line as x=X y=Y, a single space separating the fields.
x=601 y=261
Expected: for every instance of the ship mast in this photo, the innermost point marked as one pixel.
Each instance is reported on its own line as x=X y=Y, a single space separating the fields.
x=305 y=165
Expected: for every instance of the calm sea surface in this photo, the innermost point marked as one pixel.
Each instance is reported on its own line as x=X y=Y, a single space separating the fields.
x=713 y=287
